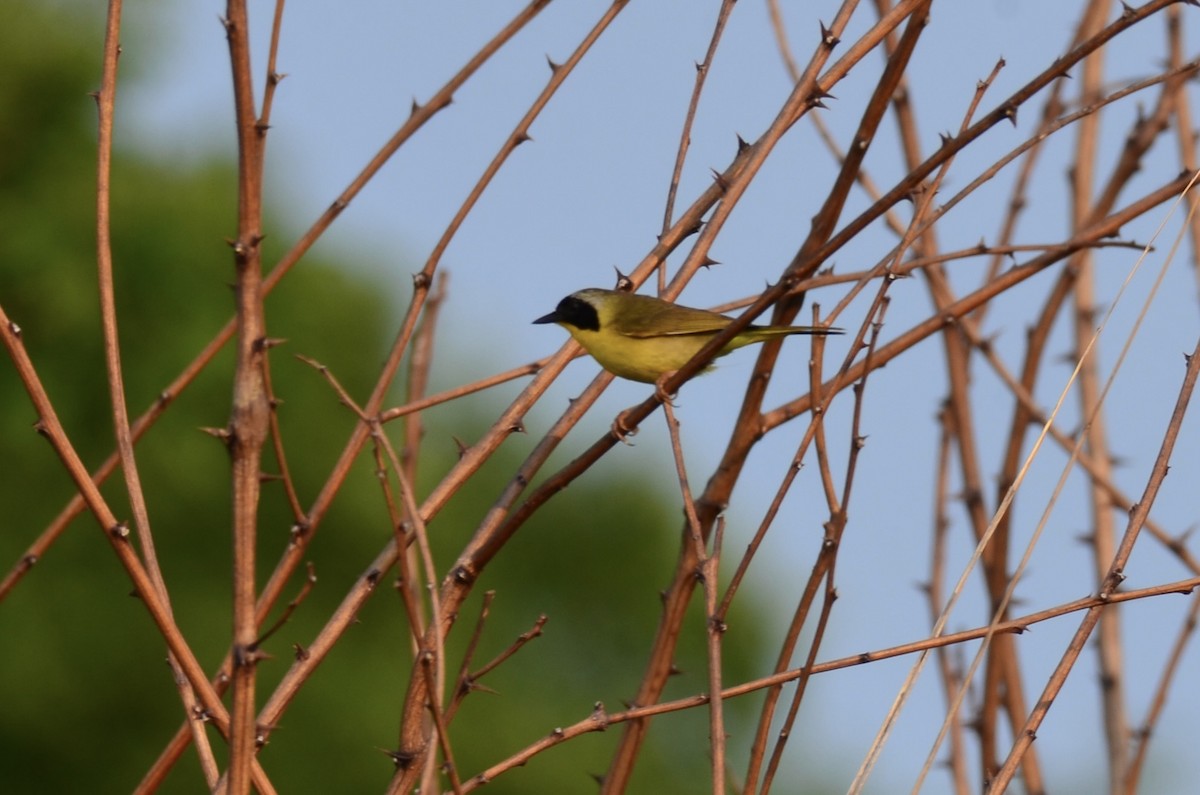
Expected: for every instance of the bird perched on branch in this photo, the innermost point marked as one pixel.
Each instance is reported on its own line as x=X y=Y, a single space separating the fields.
x=644 y=339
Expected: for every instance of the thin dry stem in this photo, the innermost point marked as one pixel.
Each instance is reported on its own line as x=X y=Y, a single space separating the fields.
x=1137 y=758
x=600 y=720
x=116 y=532
x=1112 y=580
x=433 y=596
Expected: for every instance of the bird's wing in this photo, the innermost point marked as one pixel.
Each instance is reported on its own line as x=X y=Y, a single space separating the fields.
x=677 y=320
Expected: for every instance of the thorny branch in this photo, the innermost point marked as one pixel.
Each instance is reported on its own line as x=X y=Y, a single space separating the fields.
x=1108 y=191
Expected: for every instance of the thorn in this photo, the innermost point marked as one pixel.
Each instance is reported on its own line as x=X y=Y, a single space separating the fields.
x=708 y=262
x=624 y=283
x=827 y=37
x=222 y=434
x=815 y=99
x=476 y=687
x=742 y=146
x=554 y=67
x=256 y=655
x=719 y=178
x=401 y=759
x=266 y=343
x=298 y=531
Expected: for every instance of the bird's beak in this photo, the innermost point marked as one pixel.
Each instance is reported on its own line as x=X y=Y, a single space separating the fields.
x=550 y=318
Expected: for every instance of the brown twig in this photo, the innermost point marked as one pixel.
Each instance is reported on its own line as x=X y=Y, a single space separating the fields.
x=276 y=436
x=685 y=133
x=707 y=570
x=116 y=532
x=1185 y=133
x=824 y=569
x=1112 y=580
x=310 y=580
x=1000 y=284
x=463 y=683
x=419 y=116
x=106 y=108
x=525 y=637
x=748 y=426
x=956 y=353
x=1141 y=737
x=601 y=720
x=273 y=74
x=250 y=414
x=949 y=671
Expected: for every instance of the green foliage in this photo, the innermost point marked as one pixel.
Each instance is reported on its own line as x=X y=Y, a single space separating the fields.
x=88 y=700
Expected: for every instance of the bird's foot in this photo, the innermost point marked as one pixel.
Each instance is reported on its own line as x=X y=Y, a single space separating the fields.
x=660 y=390
x=622 y=430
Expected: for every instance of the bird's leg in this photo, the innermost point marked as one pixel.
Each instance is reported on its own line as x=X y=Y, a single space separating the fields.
x=622 y=429
x=660 y=389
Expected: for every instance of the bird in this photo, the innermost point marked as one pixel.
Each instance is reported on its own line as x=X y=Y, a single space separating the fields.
x=647 y=339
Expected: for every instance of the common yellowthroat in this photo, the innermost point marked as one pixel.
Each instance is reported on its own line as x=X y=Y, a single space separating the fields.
x=643 y=338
